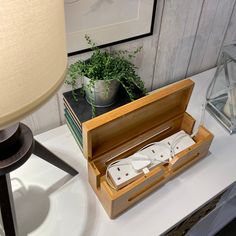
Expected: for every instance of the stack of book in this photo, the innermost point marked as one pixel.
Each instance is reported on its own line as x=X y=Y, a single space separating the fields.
x=77 y=112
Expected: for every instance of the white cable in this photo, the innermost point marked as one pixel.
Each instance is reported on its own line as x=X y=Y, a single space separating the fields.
x=175 y=142
x=129 y=162
x=203 y=105
x=154 y=143
x=202 y=119
x=124 y=162
x=141 y=157
x=146 y=171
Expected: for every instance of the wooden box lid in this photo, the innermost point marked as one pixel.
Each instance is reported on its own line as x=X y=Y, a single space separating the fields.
x=117 y=127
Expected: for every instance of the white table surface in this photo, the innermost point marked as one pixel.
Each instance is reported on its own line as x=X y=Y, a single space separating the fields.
x=47 y=207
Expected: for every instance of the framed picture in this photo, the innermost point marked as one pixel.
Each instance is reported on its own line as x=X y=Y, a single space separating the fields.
x=107 y=22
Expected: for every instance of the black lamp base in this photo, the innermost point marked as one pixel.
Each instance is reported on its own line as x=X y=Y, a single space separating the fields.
x=16 y=146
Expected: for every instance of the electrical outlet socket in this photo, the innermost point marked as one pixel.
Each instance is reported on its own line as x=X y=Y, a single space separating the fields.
x=181 y=141
x=127 y=170
x=123 y=174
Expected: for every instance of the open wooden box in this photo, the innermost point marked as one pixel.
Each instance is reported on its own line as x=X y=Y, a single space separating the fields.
x=123 y=131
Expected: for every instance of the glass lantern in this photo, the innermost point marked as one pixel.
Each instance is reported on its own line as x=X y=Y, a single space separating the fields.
x=221 y=93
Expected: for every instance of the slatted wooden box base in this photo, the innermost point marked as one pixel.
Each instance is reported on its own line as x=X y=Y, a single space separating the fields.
x=123 y=131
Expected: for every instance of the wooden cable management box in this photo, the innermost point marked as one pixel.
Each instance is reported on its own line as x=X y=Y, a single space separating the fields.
x=121 y=132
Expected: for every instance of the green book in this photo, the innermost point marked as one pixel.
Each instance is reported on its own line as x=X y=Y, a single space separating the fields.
x=77 y=112
x=74 y=130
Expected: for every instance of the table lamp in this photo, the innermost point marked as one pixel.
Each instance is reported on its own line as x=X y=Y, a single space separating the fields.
x=33 y=63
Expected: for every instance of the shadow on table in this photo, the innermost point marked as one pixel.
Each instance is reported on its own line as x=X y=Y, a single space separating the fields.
x=32 y=205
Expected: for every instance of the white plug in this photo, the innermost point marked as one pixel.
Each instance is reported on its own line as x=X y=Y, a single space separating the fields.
x=129 y=169
x=138 y=161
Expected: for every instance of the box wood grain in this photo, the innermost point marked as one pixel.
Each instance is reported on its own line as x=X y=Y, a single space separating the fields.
x=123 y=131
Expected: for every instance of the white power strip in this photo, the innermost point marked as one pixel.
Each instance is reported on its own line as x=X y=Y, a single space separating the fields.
x=127 y=170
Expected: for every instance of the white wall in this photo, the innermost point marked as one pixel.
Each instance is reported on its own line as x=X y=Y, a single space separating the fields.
x=188 y=36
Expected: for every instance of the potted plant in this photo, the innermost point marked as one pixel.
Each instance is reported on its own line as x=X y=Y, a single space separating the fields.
x=103 y=73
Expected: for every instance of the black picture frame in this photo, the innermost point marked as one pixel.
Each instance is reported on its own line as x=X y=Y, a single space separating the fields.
x=138 y=36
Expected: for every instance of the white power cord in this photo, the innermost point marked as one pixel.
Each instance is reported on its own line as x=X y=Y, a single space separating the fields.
x=139 y=161
x=175 y=143
x=202 y=119
x=129 y=162
x=147 y=161
x=203 y=105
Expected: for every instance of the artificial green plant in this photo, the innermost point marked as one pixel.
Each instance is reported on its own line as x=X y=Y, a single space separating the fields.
x=107 y=66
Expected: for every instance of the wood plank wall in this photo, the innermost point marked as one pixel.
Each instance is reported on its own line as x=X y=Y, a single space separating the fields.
x=188 y=36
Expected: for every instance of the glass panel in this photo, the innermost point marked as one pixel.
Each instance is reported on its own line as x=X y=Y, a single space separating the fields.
x=221 y=96
x=230 y=108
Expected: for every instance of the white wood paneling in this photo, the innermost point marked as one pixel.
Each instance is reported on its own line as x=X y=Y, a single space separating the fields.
x=188 y=35
x=231 y=30
x=210 y=34
x=64 y=88
x=178 y=29
x=45 y=118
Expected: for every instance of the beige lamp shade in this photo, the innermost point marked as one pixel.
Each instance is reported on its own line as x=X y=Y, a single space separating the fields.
x=33 y=55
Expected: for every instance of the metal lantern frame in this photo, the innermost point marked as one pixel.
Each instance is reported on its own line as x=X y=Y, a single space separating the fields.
x=223 y=106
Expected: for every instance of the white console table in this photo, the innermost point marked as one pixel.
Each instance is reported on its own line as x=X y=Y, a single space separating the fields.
x=46 y=206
